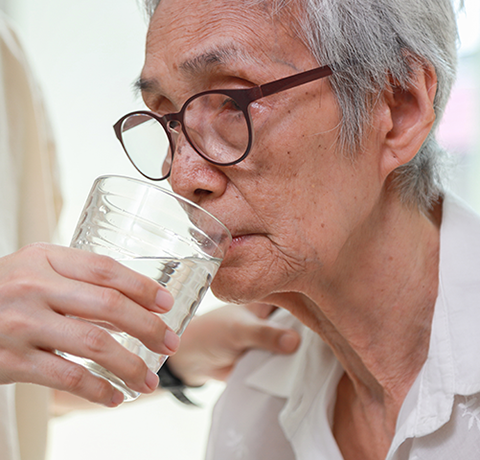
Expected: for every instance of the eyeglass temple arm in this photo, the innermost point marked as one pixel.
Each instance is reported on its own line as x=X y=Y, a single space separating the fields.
x=295 y=80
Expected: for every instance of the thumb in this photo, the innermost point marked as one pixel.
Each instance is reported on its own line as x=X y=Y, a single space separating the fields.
x=262 y=310
x=265 y=336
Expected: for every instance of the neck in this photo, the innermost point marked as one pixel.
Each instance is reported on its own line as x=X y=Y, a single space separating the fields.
x=374 y=307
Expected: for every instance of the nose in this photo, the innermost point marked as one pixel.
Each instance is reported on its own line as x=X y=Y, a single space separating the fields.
x=193 y=177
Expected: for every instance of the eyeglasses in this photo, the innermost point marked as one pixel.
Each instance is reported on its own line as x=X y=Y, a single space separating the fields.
x=217 y=124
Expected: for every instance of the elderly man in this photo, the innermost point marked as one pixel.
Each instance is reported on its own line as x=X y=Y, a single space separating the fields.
x=308 y=127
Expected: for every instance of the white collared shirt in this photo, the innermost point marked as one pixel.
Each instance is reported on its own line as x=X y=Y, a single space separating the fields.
x=281 y=407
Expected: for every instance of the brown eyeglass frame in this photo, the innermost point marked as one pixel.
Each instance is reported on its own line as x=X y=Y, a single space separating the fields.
x=242 y=97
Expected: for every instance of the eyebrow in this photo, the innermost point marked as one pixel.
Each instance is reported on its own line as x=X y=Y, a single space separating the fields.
x=207 y=61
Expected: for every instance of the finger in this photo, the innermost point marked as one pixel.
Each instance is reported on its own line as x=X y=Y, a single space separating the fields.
x=262 y=310
x=105 y=271
x=267 y=337
x=83 y=339
x=45 y=368
x=111 y=306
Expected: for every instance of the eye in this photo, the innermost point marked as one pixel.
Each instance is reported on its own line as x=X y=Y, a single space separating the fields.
x=231 y=104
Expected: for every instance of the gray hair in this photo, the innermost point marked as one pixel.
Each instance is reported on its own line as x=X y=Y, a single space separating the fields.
x=368 y=42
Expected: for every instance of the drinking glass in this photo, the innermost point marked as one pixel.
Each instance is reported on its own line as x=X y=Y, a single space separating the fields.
x=159 y=234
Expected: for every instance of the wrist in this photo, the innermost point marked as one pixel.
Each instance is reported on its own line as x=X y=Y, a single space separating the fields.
x=171 y=382
x=187 y=369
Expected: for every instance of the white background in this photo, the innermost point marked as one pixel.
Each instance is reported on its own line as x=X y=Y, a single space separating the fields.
x=86 y=55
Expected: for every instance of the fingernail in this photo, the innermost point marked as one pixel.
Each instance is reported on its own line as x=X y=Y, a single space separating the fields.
x=288 y=342
x=164 y=300
x=171 y=340
x=151 y=380
x=117 y=398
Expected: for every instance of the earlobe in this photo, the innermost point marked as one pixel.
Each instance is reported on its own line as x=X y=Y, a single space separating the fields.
x=411 y=116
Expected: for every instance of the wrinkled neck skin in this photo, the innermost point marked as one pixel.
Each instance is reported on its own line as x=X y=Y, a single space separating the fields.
x=375 y=311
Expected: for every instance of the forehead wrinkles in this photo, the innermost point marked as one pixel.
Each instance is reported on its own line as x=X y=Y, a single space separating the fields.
x=189 y=27
x=190 y=22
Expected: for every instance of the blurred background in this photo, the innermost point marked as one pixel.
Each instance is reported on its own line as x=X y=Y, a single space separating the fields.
x=86 y=55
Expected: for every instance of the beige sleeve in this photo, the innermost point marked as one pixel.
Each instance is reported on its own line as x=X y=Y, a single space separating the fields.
x=32 y=204
x=32 y=144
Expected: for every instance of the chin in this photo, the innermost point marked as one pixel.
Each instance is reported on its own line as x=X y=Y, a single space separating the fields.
x=250 y=271
x=233 y=285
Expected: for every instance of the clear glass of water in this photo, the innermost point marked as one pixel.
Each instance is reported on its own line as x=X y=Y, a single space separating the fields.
x=159 y=234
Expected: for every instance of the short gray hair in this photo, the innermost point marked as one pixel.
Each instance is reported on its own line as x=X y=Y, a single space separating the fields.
x=368 y=42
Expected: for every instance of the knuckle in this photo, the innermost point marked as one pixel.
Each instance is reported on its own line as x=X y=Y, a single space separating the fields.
x=103 y=268
x=111 y=299
x=154 y=333
x=33 y=254
x=73 y=378
x=21 y=285
x=13 y=366
x=96 y=340
x=101 y=392
x=20 y=282
x=35 y=249
x=25 y=272
x=153 y=326
x=136 y=370
x=142 y=287
x=15 y=324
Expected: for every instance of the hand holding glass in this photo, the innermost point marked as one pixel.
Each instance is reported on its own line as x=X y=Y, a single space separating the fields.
x=158 y=234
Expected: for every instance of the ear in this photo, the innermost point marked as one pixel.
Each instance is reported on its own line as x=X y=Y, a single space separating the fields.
x=409 y=116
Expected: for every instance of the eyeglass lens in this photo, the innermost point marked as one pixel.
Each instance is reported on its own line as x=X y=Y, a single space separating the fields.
x=147 y=144
x=213 y=123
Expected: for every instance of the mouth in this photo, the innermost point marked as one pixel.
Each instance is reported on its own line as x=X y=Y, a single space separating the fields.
x=241 y=239
x=244 y=248
x=237 y=248
x=242 y=236
x=237 y=240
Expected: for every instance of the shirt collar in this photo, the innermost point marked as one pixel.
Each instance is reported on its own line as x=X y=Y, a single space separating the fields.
x=307 y=379
x=460 y=291
x=454 y=344
x=455 y=340
x=278 y=375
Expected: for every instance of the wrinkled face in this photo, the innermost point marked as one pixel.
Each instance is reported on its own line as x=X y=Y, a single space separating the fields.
x=294 y=203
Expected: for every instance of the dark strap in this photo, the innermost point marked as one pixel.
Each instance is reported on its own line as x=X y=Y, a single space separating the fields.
x=170 y=382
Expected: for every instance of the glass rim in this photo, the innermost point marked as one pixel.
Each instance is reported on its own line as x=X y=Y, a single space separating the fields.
x=167 y=192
